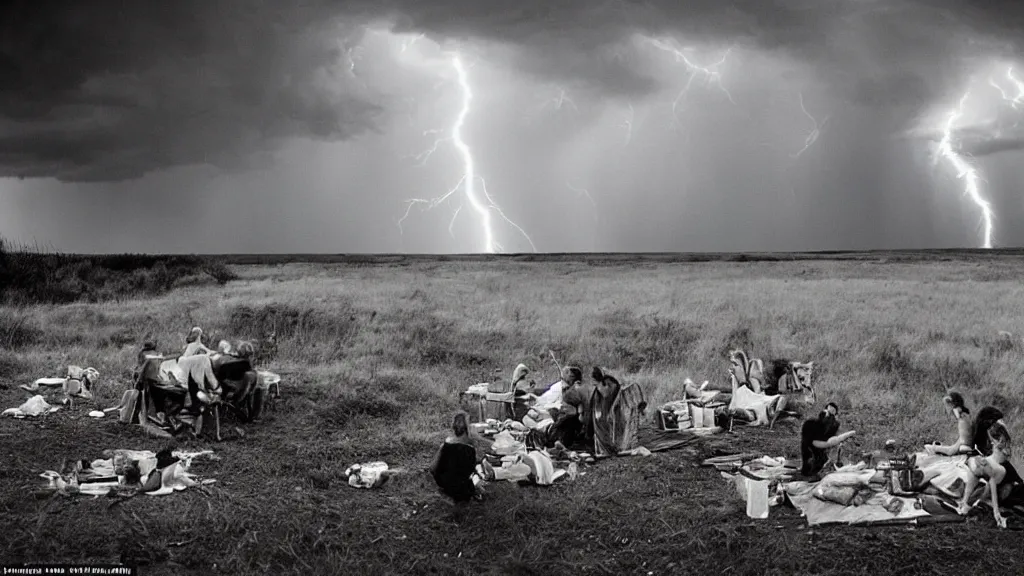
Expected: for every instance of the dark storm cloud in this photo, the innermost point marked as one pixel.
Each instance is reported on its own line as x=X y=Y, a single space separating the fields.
x=879 y=53
x=111 y=89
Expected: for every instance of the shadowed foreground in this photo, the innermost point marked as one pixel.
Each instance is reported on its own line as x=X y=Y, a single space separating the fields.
x=373 y=357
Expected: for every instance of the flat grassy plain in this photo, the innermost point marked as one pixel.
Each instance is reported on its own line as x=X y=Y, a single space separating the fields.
x=375 y=350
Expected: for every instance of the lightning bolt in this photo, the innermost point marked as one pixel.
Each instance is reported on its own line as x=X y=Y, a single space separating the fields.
x=483 y=204
x=452 y=223
x=406 y=44
x=560 y=101
x=584 y=192
x=965 y=170
x=556 y=102
x=1016 y=100
x=812 y=137
x=710 y=73
x=422 y=157
x=627 y=123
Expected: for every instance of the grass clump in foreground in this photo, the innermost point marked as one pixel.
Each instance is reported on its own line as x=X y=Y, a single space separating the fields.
x=373 y=358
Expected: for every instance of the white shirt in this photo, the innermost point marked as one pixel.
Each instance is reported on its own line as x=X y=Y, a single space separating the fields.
x=552 y=398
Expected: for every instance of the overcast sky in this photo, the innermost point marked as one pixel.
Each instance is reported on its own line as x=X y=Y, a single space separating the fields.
x=224 y=126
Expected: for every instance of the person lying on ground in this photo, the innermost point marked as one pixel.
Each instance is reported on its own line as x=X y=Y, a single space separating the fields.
x=755 y=406
x=991 y=468
x=818 y=436
x=954 y=405
x=456 y=461
x=194 y=343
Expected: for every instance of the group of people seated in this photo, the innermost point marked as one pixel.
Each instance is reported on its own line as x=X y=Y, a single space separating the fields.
x=984 y=440
x=569 y=414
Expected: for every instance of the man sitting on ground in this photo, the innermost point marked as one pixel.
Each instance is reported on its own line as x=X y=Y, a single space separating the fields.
x=817 y=437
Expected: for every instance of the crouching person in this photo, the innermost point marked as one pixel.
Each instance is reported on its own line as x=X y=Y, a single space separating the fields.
x=455 y=463
x=817 y=437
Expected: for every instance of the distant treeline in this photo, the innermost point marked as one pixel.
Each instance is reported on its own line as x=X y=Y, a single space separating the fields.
x=29 y=275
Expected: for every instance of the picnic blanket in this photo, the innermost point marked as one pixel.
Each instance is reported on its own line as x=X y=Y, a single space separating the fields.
x=871 y=511
x=944 y=472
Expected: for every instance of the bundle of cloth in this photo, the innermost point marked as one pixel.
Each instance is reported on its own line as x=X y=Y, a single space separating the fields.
x=31 y=408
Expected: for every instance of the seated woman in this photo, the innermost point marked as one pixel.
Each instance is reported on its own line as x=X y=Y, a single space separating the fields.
x=456 y=461
x=817 y=437
x=194 y=343
x=992 y=468
x=964 y=443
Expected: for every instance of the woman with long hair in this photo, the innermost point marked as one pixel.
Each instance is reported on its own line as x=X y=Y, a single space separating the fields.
x=964 y=444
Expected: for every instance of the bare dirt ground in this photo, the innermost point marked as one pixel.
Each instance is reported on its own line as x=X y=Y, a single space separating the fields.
x=374 y=354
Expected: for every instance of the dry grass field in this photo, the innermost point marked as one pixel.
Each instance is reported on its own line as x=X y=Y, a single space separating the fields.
x=374 y=351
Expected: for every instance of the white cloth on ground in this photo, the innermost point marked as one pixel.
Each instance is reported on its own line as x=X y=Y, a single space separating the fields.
x=34 y=406
x=746 y=399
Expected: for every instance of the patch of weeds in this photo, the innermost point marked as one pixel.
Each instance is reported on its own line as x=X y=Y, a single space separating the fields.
x=740 y=337
x=1001 y=346
x=340 y=412
x=17 y=330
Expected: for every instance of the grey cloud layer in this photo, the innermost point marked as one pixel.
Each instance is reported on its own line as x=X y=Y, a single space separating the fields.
x=110 y=90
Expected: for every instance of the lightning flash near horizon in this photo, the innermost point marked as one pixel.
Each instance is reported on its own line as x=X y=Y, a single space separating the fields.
x=965 y=170
x=468 y=181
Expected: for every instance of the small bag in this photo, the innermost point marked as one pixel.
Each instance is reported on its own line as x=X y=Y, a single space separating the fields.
x=129 y=402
